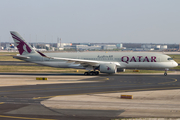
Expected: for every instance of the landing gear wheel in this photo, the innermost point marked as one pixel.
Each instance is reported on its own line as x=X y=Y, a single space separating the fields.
x=91 y=73
x=165 y=72
x=86 y=73
x=96 y=73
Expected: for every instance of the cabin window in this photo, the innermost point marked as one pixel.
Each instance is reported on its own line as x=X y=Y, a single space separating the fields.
x=170 y=59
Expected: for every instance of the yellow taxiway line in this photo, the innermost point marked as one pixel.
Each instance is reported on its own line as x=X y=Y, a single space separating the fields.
x=175 y=80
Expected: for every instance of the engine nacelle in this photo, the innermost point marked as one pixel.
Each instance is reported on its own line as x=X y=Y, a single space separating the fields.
x=108 y=68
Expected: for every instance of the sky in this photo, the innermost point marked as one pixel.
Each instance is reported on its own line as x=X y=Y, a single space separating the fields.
x=94 y=21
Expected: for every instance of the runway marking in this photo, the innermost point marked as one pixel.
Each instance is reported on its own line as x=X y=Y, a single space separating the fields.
x=46 y=97
x=103 y=79
x=25 y=118
x=175 y=80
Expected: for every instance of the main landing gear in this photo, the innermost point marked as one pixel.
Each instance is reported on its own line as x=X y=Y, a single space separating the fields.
x=92 y=73
x=165 y=73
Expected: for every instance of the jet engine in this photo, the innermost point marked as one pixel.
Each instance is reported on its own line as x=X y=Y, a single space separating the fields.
x=108 y=68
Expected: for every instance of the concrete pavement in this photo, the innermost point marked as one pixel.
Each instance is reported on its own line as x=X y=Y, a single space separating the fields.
x=161 y=103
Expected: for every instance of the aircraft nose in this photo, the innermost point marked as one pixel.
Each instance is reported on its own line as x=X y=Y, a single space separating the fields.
x=175 y=64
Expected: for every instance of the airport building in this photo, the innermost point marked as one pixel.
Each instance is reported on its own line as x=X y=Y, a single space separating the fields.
x=109 y=47
x=63 y=44
x=86 y=47
x=153 y=47
x=119 y=46
x=85 y=44
x=163 y=47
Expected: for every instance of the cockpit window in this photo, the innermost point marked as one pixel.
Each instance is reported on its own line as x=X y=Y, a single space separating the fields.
x=170 y=59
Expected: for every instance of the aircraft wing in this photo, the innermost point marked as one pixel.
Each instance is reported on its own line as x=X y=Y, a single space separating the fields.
x=85 y=62
x=79 y=61
x=75 y=61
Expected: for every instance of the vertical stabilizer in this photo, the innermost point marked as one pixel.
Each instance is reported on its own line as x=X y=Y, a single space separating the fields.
x=23 y=47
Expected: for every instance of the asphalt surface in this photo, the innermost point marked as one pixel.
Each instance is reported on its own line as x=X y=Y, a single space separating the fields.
x=16 y=97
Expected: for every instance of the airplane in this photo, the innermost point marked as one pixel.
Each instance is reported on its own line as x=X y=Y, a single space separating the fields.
x=94 y=62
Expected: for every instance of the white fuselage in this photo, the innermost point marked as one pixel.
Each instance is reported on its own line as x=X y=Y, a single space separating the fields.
x=124 y=59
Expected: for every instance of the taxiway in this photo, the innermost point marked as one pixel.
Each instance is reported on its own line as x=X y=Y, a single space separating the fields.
x=75 y=96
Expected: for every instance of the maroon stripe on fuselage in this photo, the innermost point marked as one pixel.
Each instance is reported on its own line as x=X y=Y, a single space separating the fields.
x=41 y=54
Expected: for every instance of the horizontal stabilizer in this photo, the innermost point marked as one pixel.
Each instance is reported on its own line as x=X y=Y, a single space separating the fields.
x=21 y=57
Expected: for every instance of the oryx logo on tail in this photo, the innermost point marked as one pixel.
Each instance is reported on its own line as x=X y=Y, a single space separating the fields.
x=22 y=46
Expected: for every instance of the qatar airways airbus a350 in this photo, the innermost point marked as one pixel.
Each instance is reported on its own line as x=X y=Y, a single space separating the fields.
x=94 y=62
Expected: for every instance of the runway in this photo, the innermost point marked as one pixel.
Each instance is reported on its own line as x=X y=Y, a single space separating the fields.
x=29 y=97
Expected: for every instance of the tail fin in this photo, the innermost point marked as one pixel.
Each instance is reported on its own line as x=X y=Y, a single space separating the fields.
x=23 y=47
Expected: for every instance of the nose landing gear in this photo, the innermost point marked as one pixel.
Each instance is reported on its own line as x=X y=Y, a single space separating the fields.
x=165 y=73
